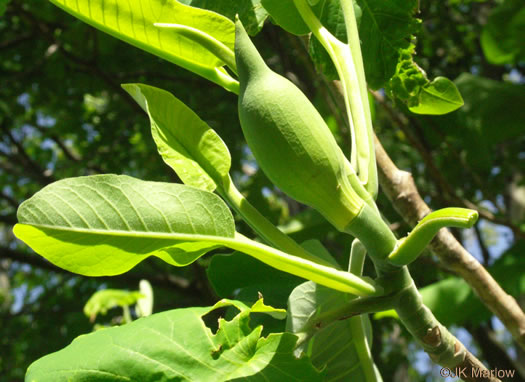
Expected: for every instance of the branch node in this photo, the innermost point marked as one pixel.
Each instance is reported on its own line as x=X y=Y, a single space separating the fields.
x=433 y=337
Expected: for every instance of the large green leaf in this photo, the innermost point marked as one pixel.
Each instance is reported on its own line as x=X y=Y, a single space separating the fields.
x=106 y=224
x=133 y=21
x=186 y=143
x=385 y=28
x=238 y=275
x=178 y=346
x=502 y=36
x=342 y=347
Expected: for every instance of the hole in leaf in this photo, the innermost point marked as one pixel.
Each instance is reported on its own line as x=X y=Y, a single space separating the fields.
x=211 y=319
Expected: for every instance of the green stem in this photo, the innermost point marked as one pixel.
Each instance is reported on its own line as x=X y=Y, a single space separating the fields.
x=357 y=323
x=264 y=228
x=208 y=42
x=364 y=353
x=359 y=188
x=362 y=155
x=399 y=290
x=410 y=247
x=221 y=77
x=310 y=270
x=355 y=48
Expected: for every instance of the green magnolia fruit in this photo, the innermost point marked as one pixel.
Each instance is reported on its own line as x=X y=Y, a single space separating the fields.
x=289 y=138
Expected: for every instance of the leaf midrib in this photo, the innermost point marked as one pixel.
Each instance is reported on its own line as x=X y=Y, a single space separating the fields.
x=137 y=234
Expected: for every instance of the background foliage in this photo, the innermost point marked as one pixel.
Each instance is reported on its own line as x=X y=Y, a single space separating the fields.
x=63 y=113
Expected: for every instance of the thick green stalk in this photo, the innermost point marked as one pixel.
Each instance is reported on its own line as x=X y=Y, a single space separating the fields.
x=357 y=323
x=357 y=258
x=376 y=236
x=400 y=291
x=435 y=339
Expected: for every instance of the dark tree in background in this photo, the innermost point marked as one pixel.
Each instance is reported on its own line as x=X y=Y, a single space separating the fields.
x=63 y=114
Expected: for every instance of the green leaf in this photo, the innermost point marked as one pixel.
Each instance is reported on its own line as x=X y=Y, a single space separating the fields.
x=133 y=21
x=244 y=277
x=106 y=299
x=385 y=28
x=285 y=15
x=502 y=36
x=106 y=224
x=341 y=347
x=438 y=97
x=411 y=85
x=177 y=346
x=251 y=12
x=186 y=143
x=231 y=274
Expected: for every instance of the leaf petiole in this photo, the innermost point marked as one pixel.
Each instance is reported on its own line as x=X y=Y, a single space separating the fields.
x=263 y=227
